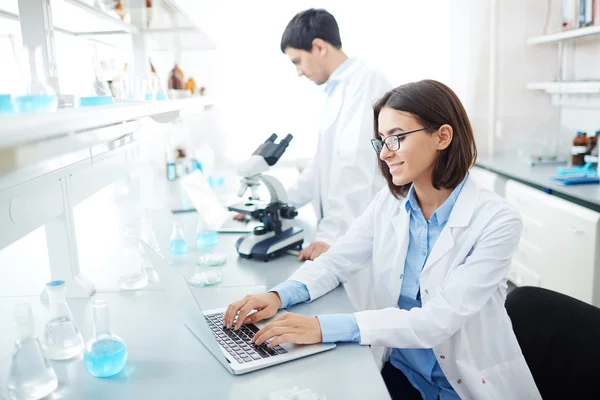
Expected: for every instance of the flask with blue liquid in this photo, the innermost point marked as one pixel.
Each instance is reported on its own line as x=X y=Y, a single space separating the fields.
x=177 y=245
x=206 y=236
x=105 y=354
x=36 y=95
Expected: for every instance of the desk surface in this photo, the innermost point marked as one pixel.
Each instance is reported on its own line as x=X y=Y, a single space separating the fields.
x=539 y=177
x=167 y=361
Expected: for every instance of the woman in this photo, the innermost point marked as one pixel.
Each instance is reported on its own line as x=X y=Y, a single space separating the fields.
x=440 y=249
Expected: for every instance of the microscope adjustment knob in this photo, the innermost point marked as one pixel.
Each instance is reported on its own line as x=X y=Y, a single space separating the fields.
x=260 y=230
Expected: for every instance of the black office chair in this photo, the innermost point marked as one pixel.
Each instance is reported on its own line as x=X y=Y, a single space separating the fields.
x=560 y=339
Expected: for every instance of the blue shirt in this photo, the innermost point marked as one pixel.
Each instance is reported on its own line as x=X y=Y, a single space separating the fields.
x=419 y=365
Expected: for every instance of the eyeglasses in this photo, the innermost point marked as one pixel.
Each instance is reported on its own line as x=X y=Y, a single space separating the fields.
x=392 y=142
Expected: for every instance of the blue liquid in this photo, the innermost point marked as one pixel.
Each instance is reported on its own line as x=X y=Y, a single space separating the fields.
x=26 y=104
x=178 y=246
x=171 y=172
x=6 y=105
x=206 y=239
x=96 y=101
x=107 y=358
x=159 y=96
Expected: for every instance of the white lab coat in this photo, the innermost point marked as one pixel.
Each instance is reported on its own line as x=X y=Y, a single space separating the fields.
x=342 y=178
x=463 y=289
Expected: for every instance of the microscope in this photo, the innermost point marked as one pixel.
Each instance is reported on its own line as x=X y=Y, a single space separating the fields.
x=276 y=235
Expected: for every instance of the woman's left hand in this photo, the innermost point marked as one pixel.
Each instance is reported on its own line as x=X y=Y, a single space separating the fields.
x=292 y=328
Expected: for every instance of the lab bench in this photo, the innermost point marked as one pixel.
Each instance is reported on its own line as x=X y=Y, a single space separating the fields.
x=560 y=241
x=167 y=361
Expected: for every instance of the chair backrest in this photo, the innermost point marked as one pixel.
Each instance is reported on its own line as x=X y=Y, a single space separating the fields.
x=560 y=339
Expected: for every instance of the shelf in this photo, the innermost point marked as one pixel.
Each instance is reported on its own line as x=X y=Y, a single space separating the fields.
x=574 y=87
x=565 y=35
x=16 y=129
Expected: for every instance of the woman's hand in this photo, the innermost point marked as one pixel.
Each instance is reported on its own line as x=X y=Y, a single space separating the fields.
x=290 y=328
x=266 y=305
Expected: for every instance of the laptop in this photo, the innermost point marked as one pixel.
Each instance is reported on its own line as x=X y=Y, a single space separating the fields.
x=233 y=349
x=214 y=212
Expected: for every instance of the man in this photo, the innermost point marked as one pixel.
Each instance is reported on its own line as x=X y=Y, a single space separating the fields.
x=342 y=178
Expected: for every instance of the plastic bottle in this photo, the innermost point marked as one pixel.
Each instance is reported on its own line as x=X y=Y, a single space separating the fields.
x=31 y=376
x=62 y=339
x=579 y=148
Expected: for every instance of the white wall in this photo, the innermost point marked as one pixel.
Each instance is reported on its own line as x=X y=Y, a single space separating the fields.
x=256 y=89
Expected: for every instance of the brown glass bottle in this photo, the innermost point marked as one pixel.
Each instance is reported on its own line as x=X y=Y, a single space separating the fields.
x=579 y=148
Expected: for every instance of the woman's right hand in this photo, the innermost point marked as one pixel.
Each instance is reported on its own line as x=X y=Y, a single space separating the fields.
x=266 y=305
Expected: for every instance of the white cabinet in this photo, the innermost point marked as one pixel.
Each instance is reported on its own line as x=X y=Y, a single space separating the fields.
x=484 y=178
x=559 y=244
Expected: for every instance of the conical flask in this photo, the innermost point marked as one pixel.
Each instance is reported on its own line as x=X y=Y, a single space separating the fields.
x=62 y=339
x=36 y=95
x=31 y=376
x=93 y=88
x=105 y=354
x=177 y=244
x=134 y=275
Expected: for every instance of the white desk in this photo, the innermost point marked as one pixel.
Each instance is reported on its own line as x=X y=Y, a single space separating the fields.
x=166 y=361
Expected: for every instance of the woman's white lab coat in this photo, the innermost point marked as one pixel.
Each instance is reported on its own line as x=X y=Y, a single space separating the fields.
x=343 y=177
x=463 y=289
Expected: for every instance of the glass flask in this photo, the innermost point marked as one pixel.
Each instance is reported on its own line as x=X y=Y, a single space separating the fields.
x=62 y=339
x=206 y=236
x=31 y=376
x=177 y=245
x=94 y=88
x=105 y=354
x=134 y=276
x=36 y=95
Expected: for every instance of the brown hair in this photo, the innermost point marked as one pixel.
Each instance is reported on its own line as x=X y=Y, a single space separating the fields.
x=433 y=104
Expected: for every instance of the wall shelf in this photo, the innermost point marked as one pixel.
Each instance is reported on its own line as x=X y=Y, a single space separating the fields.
x=573 y=87
x=565 y=35
x=18 y=129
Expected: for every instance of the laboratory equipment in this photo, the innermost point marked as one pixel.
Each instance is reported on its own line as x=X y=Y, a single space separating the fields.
x=579 y=148
x=31 y=376
x=212 y=259
x=206 y=235
x=105 y=354
x=134 y=276
x=93 y=89
x=276 y=235
x=202 y=278
x=177 y=245
x=36 y=95
x=62 y=339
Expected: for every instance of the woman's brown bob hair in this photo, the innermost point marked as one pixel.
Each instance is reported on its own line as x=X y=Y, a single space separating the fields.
x=433 y=104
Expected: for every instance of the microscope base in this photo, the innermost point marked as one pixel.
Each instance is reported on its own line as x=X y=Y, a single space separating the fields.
x=269 y=246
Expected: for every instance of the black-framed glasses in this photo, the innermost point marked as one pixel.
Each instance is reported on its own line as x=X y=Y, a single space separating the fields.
x=392 y=142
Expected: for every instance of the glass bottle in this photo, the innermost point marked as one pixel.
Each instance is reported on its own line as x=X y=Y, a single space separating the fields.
x=134 y=276
x=62 y=339
x=206 y=236
x=178 y=244
x=105 y=354
x=31 y=376
x=37 y=95
x=579 y=148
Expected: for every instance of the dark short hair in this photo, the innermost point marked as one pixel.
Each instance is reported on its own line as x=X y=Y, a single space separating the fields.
x=309 y=25
x=433 y=104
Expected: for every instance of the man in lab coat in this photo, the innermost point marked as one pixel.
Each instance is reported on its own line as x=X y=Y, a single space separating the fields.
x=342 y=178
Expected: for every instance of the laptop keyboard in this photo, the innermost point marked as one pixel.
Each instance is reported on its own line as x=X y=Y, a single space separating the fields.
x=239 y=343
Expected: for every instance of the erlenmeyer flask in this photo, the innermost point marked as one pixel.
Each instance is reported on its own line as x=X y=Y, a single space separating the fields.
x=134 y=276
x=31 y=376
x=62 y=339
x=95 y=90
x=206 y=236
x=177 y=244
x=36 y=95
x=105 y=354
